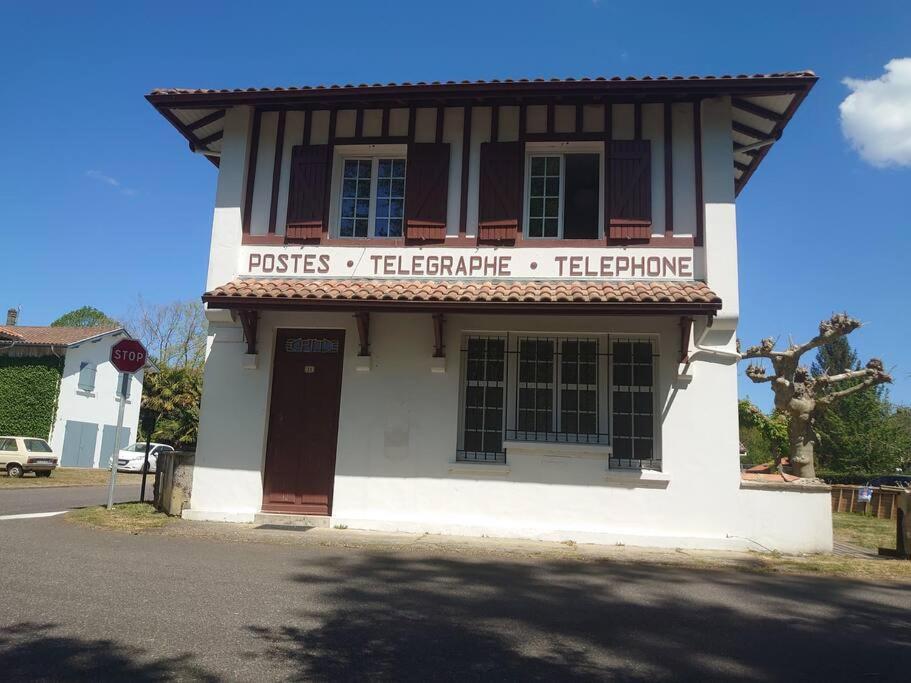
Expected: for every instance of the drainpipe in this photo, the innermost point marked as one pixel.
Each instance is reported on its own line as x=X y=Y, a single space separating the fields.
x=700 y=349
x=714 y=352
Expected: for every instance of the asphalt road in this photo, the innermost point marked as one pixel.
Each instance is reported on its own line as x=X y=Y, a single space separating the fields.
x=55 y=499
x=82 y=604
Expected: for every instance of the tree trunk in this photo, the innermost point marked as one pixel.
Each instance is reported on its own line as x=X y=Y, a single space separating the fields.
x=802 y=441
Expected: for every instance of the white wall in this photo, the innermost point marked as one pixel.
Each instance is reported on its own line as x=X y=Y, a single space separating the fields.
x=99 y=406
x=398 y=437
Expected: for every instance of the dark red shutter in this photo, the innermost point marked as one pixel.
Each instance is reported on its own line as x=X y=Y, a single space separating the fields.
x=426 y=190
x=307 y=191
x=629 y=190
x=500 y=194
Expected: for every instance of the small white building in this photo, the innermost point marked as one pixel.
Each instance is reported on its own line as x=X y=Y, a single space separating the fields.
x=84 y=423
x=505 y=308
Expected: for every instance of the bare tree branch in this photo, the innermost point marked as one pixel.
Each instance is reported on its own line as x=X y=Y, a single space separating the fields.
x=757 y=374
x=765 y=349
x=872 y=380
x=838 y=325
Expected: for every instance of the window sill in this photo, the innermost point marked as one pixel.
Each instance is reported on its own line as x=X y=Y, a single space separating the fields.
x=84 y=393
x=558 y=449
x=646 y=479
x=491 y=469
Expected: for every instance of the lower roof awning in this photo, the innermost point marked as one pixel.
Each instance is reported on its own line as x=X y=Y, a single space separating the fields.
x=573 y=297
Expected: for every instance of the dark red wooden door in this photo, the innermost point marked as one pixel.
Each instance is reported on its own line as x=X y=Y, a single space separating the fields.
x=303 y=421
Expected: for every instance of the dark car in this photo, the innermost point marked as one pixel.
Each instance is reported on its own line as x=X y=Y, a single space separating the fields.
x=903 y=480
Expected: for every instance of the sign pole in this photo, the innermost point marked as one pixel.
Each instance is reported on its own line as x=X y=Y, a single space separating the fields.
x=127 y=356
x=124 y=383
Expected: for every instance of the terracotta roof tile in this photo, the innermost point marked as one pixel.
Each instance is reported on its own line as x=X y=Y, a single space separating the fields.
x=46 y=336
x=474 y=291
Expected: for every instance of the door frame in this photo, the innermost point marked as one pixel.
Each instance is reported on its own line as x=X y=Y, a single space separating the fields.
x=341 y=332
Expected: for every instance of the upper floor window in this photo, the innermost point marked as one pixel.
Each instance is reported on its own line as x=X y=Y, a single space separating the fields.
x=564 y=195
x=372 y=197
x=86 y=376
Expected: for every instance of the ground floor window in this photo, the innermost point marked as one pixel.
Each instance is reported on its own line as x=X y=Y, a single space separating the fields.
x=596 y=389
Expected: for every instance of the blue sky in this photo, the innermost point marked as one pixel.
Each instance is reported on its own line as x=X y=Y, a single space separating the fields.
x=100 y=200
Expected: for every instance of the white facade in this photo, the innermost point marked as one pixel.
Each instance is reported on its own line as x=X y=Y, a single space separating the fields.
x=402 y=410
x=86 y=419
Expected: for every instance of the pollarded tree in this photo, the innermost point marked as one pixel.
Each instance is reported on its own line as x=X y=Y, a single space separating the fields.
x=803 y=397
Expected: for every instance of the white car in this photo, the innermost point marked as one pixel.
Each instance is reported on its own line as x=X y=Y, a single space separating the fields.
x=21 y=454
x=131 y=458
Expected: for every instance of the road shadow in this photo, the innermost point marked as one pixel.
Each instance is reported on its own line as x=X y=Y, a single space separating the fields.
x=34 y=652
x=385 y=616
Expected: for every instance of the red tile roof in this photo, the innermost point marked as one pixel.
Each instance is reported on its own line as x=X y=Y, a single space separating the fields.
x=646 y=294
x=51 y=336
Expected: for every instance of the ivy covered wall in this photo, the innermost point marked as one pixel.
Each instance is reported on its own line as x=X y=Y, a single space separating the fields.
x=28 y=395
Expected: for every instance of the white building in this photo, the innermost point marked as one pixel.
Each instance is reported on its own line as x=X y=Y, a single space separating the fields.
x=84 y=424
x=504 y=308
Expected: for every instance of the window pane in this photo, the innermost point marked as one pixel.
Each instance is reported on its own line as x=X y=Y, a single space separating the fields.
x=581 y=208
x=632 y=372
x=622 y=402
x=544 y=196
x=484 y=399
x=390 y=203
x=355 y=199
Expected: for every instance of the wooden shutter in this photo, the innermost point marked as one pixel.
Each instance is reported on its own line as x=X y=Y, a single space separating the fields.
x=307 y=191
x=629 y=190
x=500 y=194
x=427 y=190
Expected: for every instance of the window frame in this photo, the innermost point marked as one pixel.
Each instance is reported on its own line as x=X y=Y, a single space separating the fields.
x=83 y=367
x=503 y=384
x=511 y=384
x=373 y=153
x=612 y=387
x=561 y=149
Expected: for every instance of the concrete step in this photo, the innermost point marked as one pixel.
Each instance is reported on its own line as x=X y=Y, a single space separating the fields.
x=278 y=519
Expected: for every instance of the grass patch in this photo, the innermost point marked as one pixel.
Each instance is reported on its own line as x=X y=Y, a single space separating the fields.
x=863 y=531
x=130 y=517
x=65 y=476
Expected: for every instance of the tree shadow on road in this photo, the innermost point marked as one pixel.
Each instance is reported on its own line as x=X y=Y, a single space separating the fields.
x=396 y=616
x=33 y=652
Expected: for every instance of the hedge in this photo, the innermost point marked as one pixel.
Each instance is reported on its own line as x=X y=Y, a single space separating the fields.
x=28 y=395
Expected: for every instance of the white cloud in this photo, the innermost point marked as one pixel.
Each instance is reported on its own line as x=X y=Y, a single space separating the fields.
x=876 y=116
x=113 y=182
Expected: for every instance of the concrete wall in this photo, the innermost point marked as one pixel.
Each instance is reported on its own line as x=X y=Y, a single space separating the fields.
x=100 y=406
x=397 y=443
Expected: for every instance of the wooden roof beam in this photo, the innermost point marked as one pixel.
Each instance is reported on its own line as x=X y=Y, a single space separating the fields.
x=756 y=110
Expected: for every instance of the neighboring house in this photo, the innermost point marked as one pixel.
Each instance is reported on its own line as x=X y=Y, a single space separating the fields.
x=74 y=401
x=504 y=308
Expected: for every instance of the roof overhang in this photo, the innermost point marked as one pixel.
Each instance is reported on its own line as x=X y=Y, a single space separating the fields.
x=509 y=297
x=763 y=103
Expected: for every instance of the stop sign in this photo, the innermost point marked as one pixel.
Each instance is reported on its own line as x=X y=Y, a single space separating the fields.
x=128 y=355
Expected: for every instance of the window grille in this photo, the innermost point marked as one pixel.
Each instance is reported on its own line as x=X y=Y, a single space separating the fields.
x=559 y=389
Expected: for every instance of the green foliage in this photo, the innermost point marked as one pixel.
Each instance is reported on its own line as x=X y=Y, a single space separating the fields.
x=174 y=393
x=860 y=433
x=83 y=317
x=765 y=437
x=834 y=357
x=28 y=394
